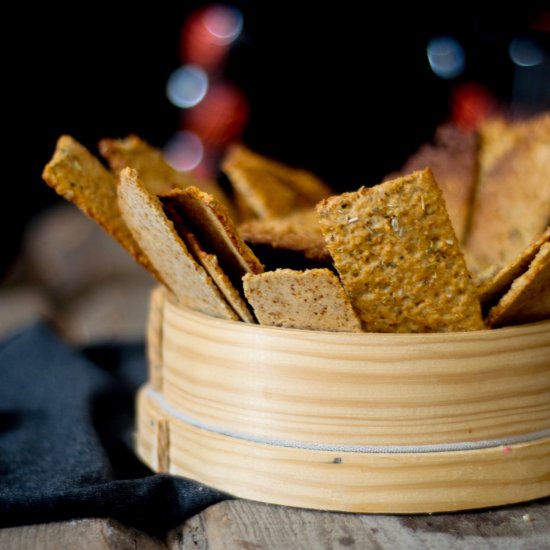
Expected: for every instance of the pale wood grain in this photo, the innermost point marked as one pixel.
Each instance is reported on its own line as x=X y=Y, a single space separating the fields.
x=100 y=534
x=154 y=337
x=244 y=525
x=348 y=481
x=357 y=389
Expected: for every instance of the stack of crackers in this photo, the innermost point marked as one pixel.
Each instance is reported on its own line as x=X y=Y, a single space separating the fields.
x=457 y=240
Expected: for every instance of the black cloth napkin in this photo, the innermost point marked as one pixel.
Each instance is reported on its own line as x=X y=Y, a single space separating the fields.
x=66 y=429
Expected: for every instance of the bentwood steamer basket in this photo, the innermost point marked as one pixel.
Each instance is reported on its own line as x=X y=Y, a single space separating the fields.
x=397 y=423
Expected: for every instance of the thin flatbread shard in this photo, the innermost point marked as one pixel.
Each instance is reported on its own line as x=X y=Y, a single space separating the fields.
x=210 y=221
x=493 y=287
x=528 y=299
x=212 y=267
x=299 y=232
x=453 y=160
x=304 y=183
x=78 y=176
x=512 y=203
x=157 y=175
x=312 y=300
x=399 y=259
x=187 y=280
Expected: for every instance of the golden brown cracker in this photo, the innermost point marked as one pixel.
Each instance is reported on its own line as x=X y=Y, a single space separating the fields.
x=313 y=299
x=299 y=231
x=304 y=183
x=512 y=203
x=452 y=158
x=74 y=173
x=157 y=175
x=399 y=259
x=210 y=263
x=492 y=287
x=210 y=221
x=529 y=296
x=143 y=213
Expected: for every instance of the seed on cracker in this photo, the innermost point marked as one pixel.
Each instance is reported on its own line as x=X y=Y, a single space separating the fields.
x=188 y=281
x=210 y=221
x=157 y=175
x=529 y=296
x=496 y=283
x=299 y=232
x=399 y=259
x=212 y=267
x=313 y=299
x=512 y=202
x=74 y=173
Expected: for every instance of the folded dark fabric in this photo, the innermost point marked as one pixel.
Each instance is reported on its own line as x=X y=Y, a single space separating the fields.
x=66 y=428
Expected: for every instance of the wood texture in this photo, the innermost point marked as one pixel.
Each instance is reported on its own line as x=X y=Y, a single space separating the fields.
x=350 y=481
x=357 y=389
x=154 y=337
x=97 y=534
x=244 y=525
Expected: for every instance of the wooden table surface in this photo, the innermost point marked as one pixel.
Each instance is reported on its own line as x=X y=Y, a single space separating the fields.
x=245 y=525
x=61 y=276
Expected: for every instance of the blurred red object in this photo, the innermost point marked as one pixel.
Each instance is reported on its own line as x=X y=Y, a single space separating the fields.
x=470 y=104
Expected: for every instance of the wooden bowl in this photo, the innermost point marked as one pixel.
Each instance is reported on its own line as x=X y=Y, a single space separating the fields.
x=398 y=423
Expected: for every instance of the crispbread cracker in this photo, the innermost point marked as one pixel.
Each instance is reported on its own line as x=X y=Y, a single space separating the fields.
x=299 y=231
x=74 y=173
x=399 y=259
x=512 y=203
x=157 y=175
x=313 y=299
x=453 y=160
x=263 y=192
x=212 y=267
x=495 y=285
x=209 y=220
x=303 y=182
x=191 y=285
x=529 y=296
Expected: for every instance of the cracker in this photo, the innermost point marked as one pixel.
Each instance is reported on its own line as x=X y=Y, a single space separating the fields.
x=210 y=221
x=188 y=281
x=157 y=175
x=512 y=203
x=304 y=183
x=78 y=176
x=212 y=267
x=529 y=296
x=311 y=300
x=492 y=287
x=269 y=188
x=453 y=160
x=399 y=259
x=299 y=231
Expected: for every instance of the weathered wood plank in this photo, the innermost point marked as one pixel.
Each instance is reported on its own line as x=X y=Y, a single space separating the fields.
x=246 y=525
x=99 y=534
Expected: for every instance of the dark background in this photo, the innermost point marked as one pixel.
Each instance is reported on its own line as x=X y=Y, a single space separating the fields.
x=344 y=94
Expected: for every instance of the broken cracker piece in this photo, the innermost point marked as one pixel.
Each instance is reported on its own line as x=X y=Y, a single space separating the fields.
x=212 y=267
x=191 y=285
x=492 y=287
x=210 y=221
x=77 y=175
x=299 y=231
x=528 y=299
x=312 y=300
x=399 y=259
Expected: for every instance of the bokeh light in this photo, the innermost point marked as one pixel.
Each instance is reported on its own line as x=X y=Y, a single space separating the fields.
x=184 y=151
x=525 y=52
x=446 y=57
x=187 y=86
x=224 y=23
